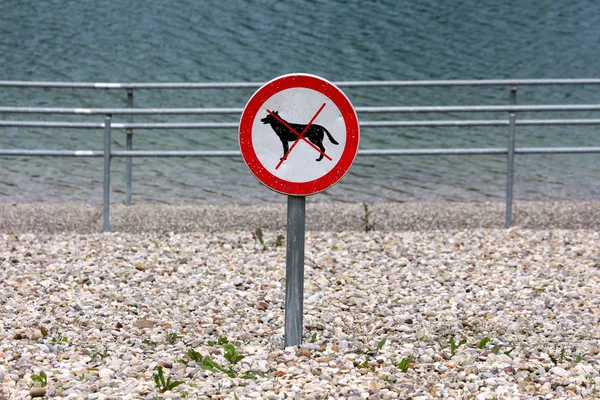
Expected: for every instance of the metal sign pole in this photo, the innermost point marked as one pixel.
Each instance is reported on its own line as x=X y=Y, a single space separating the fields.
x=294 y=270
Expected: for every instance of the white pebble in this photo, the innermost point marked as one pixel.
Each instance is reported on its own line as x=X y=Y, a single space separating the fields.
x=105 y=373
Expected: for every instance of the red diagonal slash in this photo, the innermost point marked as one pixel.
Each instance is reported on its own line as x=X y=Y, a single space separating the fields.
x=300 y=135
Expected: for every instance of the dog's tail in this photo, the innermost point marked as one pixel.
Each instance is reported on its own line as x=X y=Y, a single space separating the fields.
x=331 y=139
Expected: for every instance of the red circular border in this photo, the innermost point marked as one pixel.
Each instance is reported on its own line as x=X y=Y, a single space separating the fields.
x=253 y=108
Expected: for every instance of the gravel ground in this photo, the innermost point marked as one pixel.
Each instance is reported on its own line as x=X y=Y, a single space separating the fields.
x=332 y=217
x=460 y=314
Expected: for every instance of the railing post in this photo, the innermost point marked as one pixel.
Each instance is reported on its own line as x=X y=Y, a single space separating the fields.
x=107 y=155
x=129 y=146
x=512 y=119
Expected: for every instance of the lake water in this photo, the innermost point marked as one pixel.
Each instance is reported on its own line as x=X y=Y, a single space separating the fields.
x=255 y=41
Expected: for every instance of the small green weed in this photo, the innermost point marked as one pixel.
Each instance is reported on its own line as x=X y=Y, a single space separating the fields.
x=220 y=341
x=279 y=241
x=173 y=337
x=231 y=354
x=149 y=342
x=483 y=342
x=368 y=352
x=209 y=364
x=41 y=379
x=257 y=235
x=182 y=361
x=454 y=346
x=102 y=355
x=163 y=385
x=313 y=338
x=402 y=365
x=562 y=357
x=366 y=218
x=365 y=364
x=381 y=344
x=193 y=355
x=252 y=374
x=60 y=339
x=496 y=350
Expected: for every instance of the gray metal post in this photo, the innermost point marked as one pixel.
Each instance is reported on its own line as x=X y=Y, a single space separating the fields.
x=294 y=270
x=129 y=146
x=512 y=119
x=107 y=155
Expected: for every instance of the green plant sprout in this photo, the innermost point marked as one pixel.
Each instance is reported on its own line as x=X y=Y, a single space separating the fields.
x=454 y=346
x=258 y=236
x=252 y=374
x=365 y=364
x=368 y=351
x=220 y=341
x=483 y=342
x=163 y=385
x=369 y=225
x=208 y=364
x=149 y=342
x=102 y=355
x=194 y=355
x=562 y=357
x=41 y=379
x=403 y=364
x=279 y=241
x=60 y=339
x=232 y=355
x=496 y=350
x=172 y=337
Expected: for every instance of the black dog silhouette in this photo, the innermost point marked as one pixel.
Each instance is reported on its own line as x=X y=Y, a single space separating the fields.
x=315 y=133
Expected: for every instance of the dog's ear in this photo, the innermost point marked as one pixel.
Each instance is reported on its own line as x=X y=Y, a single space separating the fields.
x=276 y=113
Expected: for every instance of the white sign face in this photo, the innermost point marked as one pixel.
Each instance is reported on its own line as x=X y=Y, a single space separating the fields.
x=298 y=107
x=299 y=134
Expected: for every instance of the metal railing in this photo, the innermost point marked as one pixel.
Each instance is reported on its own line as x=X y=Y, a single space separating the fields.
x=107 y=125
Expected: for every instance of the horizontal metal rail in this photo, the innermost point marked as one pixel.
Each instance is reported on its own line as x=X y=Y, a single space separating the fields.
x=119 y=111
x=236 y=153
x=124 y=153
x=235 y=125
x=470 y=109
x=238 y=111
x=557 y=150
x=243 y=85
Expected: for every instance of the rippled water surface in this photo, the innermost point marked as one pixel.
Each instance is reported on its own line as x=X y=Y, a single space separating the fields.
x=252 y=41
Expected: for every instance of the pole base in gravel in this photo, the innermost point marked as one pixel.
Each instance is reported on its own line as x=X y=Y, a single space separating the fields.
x=294 y=270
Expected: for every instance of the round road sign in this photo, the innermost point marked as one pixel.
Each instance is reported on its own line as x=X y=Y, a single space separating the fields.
x=299 y=134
